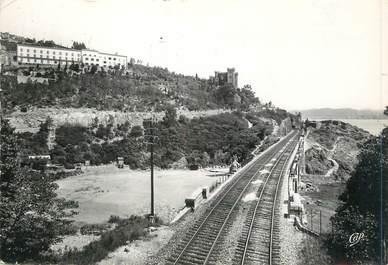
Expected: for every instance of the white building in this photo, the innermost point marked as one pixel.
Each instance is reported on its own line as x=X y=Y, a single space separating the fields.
x=32 y=54
x=92 y=57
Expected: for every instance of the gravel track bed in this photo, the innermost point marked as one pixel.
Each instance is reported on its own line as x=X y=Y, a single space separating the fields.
x=229 y=243
x=180 y=229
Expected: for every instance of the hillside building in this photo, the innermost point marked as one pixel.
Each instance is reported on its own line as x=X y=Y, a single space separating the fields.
x=92 y=57
x=228 y=77
x=33 y=54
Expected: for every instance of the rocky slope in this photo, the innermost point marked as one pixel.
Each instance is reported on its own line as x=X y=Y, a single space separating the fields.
x=30 y=121
x=332 y=148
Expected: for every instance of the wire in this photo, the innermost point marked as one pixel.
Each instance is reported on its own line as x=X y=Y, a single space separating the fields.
x=9 y=3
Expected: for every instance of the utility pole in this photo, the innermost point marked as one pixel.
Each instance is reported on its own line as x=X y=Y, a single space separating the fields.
x=311 y=219
x=1 y=113
x=150 y=136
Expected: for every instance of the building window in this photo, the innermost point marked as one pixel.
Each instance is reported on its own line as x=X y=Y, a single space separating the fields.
x=97 y=60
x=86 y=58
x=53 y=52
x=41 y=60
x=104 y=62
x=41 y=56
x=28 y=50
x=92 y=59
x=114 y=59
x=48 y=52
x=41 y=51
x=55 y=61
x=60 y=52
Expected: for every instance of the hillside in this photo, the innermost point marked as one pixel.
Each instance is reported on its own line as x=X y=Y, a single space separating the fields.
x=332 y=148
x=203 y=140
x=139 y=88
x=344 y=113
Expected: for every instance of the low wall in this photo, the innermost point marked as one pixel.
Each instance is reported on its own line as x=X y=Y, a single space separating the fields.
x=304 y=229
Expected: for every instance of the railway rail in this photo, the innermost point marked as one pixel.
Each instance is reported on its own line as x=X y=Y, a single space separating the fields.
x=199 y=243
x=259 y=241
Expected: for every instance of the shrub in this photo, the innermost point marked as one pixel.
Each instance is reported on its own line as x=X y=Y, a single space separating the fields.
x=94 y=229
x=126 y=230
x=136 y=131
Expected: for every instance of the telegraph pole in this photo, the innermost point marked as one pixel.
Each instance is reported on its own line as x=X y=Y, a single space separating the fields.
x=1 y=114
x=150 y=136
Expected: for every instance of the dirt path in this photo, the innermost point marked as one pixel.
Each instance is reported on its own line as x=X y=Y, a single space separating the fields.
x=334 y=169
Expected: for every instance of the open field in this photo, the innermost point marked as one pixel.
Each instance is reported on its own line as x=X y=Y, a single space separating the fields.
x=107 y=190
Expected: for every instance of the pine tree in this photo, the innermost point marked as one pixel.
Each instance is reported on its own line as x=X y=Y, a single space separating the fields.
x=31 y=216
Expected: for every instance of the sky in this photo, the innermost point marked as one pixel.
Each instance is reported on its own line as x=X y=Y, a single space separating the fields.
x=299 y=54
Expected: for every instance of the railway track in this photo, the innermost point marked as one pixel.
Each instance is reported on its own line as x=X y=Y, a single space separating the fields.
x=259 y=241
x=200 y=241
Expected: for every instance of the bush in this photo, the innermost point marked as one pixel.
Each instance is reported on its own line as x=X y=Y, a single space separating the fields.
x=94 y=229
x=70 y=135
x=126 y=230
x=69 y=166
x=136 y=131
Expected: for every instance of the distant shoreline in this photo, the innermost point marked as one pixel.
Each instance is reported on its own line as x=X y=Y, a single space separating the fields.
x=342 y=113
x=373 y=126
x=312 y=118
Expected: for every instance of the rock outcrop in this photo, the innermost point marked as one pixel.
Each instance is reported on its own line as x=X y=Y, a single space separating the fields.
x=30 y=121
x=332 y=148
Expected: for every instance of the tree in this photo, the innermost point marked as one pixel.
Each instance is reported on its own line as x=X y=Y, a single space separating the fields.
x=248 y=97
x=28 y=40
x=364 y=206
x=170 y=116
x=93 y=69
x=136 y=131
x=74 y=67
x=32 y=217
x=78 y=45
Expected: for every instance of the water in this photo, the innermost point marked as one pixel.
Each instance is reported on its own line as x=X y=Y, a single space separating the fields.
x=373 y=126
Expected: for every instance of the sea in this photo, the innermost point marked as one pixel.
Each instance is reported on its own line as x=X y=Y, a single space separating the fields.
x=374 y=126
